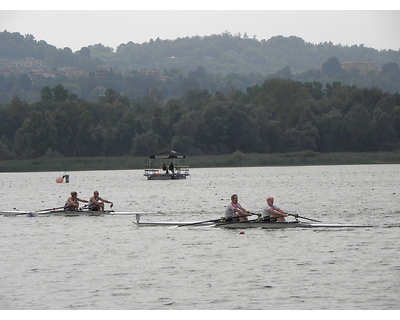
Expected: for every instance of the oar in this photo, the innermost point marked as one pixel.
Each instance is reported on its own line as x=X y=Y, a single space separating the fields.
x=290 y=214
x=297 y=216
x=215 y=220
x=200 y=222
x=52 y=209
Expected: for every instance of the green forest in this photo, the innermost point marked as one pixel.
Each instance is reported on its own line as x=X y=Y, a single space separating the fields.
x=211 y=95
x=280 y=115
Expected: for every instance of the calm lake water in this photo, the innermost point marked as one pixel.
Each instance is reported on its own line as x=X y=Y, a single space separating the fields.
x=94 y=263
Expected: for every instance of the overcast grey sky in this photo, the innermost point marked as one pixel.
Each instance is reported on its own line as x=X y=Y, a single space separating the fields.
x=379 y=29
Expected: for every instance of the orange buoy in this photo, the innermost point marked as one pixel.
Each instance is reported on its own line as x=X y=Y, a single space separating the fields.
x=60 y=180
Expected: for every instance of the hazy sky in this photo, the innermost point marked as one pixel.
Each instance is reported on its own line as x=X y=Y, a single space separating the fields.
x=379 y=29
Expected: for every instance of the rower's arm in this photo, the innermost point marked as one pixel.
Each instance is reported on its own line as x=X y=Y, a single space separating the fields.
x=104 y=200
x=282 y=212
x=242 y=210
x=276 y=212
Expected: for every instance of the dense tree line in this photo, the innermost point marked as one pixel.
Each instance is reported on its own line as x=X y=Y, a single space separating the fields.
x=280 y=115
x=172 y=83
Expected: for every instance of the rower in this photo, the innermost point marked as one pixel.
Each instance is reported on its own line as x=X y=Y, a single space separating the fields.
x=234 y=211
x=73 y=202
x=272 y=213
x=96 y=203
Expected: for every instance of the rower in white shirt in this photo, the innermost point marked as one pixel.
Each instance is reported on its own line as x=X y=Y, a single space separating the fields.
x=234 y=211
x=271 y=211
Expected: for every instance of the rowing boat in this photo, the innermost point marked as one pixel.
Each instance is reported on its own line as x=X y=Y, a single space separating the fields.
x=68 y=213
x=249 y=224
x=279 y=225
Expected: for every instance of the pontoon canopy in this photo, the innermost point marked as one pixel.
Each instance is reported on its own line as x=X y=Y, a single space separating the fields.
x=168 y=154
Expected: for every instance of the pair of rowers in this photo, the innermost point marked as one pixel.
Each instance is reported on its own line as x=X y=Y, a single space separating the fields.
x=235 y=212
x=95 y=203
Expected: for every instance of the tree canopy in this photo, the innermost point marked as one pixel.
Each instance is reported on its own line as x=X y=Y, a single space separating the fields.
x=280 y=115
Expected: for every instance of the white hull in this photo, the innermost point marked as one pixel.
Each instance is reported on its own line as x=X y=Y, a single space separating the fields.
x=17 y=213
x=279 y=225
x=78 y=213
x=64 y=213
x=251 y=224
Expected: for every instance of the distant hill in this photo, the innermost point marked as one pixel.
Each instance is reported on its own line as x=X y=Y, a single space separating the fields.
x=226 y=53
x=15 y=47
x=223 y=53
x=171 y=67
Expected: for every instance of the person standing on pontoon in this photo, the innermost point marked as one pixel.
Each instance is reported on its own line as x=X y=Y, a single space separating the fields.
x=171 y=168
x=234 y=211
x=73 y=202
x=272 y=211
x=96 y=203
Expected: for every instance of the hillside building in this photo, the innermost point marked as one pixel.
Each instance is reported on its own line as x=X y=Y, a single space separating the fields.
x=361 y=67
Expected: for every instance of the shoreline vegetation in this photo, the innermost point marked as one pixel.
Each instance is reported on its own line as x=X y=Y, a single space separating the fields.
x=236 y=159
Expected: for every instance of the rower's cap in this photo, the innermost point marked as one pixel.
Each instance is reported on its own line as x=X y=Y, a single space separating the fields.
x=270 y=199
